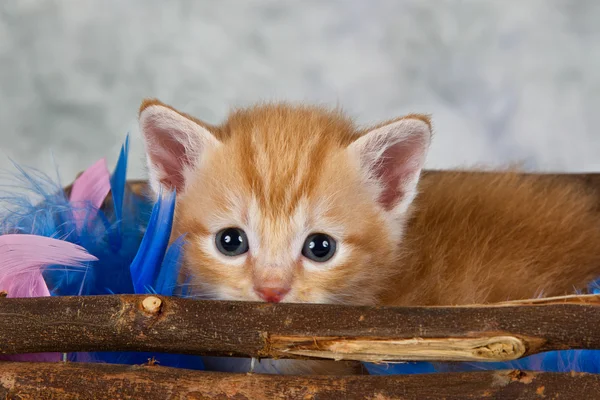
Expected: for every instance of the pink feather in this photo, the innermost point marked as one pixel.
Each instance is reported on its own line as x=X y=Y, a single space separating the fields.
x=21 y=253
x=92 y=187
x=21 y=260
x=26 y=284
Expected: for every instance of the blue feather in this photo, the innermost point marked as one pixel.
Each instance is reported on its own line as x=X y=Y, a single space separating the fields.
x=118 y=183
x=145 y=267
x=169 y=271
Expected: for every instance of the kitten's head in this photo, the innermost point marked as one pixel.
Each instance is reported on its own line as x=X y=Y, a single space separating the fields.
x=286 y=203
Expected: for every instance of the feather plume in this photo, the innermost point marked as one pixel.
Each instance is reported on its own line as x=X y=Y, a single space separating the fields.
x=118 y=184
x=89 y=191
x=21 y=253
x=145 y=267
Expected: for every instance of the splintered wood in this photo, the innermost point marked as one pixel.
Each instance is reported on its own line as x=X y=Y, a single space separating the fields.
x=496 y=348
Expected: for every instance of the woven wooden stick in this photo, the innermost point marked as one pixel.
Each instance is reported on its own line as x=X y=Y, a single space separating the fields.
x=263 y=330
x=26 y=381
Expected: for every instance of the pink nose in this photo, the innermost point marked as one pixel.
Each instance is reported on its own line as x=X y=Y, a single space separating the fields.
x=272 y=294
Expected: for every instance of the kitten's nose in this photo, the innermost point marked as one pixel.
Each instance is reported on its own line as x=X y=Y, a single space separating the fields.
x=272 y=294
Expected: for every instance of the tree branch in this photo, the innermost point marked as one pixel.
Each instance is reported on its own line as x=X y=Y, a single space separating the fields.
x=25 y=381
x=173 y=325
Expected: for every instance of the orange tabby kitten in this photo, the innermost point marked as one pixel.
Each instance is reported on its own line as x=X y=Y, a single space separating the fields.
x=296 y=204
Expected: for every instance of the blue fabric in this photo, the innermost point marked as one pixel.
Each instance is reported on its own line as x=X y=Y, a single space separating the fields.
x=553 y=361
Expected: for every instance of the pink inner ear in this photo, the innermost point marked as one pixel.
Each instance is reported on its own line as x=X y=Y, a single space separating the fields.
x=174 y=143
x=398 y=166
x=170 y=157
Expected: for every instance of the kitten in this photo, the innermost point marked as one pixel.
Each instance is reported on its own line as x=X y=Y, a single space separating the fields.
x=288 y=203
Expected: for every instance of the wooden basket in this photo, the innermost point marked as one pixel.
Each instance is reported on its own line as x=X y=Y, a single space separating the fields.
x=497 y=332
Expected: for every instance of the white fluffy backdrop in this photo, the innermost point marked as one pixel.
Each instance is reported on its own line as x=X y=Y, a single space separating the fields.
x=505 y=81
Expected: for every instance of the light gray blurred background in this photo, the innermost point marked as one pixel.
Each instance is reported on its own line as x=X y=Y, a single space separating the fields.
x=506 y=81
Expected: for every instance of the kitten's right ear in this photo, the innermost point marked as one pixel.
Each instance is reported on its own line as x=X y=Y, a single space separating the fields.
x=174 y=145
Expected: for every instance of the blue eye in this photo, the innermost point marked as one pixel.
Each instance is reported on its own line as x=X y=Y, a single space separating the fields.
x=232 y=242
x=319 y=247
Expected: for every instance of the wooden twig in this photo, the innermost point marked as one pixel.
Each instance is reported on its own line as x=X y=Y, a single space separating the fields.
x=26 y=381
x=263 y=330
x=568 y=299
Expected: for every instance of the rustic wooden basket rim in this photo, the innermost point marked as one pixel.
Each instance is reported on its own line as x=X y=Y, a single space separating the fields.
x=141 y=323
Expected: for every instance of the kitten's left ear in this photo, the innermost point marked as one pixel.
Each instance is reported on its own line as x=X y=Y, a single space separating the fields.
x=391 y=158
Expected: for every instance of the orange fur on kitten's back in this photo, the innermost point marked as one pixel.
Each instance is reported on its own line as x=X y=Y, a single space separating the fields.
x=489 y=237
x=286 y=203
